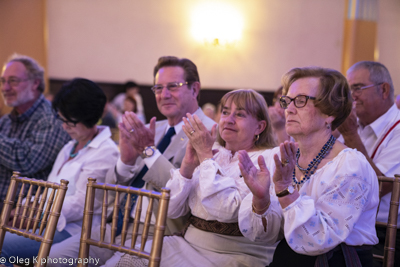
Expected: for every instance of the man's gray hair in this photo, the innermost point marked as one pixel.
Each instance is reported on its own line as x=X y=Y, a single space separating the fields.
x=35 y=71
x=378 y=73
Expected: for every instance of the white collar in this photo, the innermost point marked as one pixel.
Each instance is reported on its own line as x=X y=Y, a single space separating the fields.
x=384 y=122
x=103 y=134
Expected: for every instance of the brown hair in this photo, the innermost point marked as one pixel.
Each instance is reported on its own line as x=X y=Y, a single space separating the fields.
x=254 y=104
x=276 y=93
x=190 y=69
x=333 y=97
x=133 y=101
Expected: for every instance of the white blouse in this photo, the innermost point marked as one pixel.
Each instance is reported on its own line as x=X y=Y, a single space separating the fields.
x=92 y=161
x=216 y=189
x=337 y=204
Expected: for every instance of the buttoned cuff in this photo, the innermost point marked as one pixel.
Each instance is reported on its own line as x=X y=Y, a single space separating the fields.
x=150 y=161
x=125 y=170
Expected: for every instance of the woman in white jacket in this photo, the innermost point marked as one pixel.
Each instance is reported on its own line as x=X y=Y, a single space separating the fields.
x=211 y=187
x=327 y=191
x=79 y=105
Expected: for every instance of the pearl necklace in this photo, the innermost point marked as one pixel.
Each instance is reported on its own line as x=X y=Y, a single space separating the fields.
x=314 y=163
x=72 y=154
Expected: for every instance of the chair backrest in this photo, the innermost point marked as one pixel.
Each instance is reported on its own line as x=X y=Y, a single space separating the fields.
x=41 y=214
x=154 y=256
x=391 y=225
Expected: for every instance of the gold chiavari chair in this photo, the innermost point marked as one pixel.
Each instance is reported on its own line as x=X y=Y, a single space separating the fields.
x=391 y=225
x=42 y=214
x=154 y=256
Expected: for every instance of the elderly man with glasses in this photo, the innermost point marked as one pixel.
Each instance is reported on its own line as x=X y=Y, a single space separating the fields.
x=376 y=133
x=30 y=136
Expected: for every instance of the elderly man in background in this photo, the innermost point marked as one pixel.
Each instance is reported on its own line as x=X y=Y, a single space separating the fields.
x=149 y=153
x=376 y=134
x=30 y=136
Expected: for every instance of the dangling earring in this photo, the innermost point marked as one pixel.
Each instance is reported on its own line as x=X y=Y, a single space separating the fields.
x=328 y=126
x=257 y=137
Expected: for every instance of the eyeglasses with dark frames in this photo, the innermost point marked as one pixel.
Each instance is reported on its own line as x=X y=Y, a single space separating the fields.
x=172 y=87
x=299 y=101
x=13 y=81
x=67 y=122
x=356 y=90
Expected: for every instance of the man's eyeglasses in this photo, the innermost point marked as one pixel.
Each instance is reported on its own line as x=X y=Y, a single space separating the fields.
x=299 y=101
x=356 y=90
x=172 y=87
x=13 y=81
x=68 y=123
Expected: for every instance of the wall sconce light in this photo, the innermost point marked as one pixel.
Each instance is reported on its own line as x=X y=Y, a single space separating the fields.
x=218 y=24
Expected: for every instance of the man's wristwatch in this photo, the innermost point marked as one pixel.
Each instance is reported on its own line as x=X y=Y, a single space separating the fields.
x=289 y=190
x=148 y=152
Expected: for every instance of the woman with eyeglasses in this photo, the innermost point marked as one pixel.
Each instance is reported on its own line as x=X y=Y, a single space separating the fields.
x=328 y=192
x=91 y=153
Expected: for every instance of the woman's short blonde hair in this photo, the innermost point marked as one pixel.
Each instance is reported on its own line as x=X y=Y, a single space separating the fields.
x=333 y=97
x=255 y=105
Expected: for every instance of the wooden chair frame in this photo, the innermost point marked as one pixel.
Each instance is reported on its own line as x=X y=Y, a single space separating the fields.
x=34 y=215
x=391 y=225
x=154 y=256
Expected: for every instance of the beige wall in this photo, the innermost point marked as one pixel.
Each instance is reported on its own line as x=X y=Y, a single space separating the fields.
x=118 y=40
x=389 y=38
x=22 y=31
x=113 y=41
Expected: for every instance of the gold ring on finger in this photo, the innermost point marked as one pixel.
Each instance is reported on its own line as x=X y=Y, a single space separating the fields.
x=284 y=162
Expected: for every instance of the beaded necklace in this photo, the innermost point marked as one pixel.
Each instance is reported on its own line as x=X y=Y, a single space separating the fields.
x=314 y=163
x=297 y=161
x=72 y=154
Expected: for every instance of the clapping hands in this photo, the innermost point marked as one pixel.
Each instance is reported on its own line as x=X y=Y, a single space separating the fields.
x=258 y=181
x=134 y=137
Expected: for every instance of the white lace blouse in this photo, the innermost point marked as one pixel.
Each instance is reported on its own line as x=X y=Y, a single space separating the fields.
x=216 y=189
x=338 y=204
